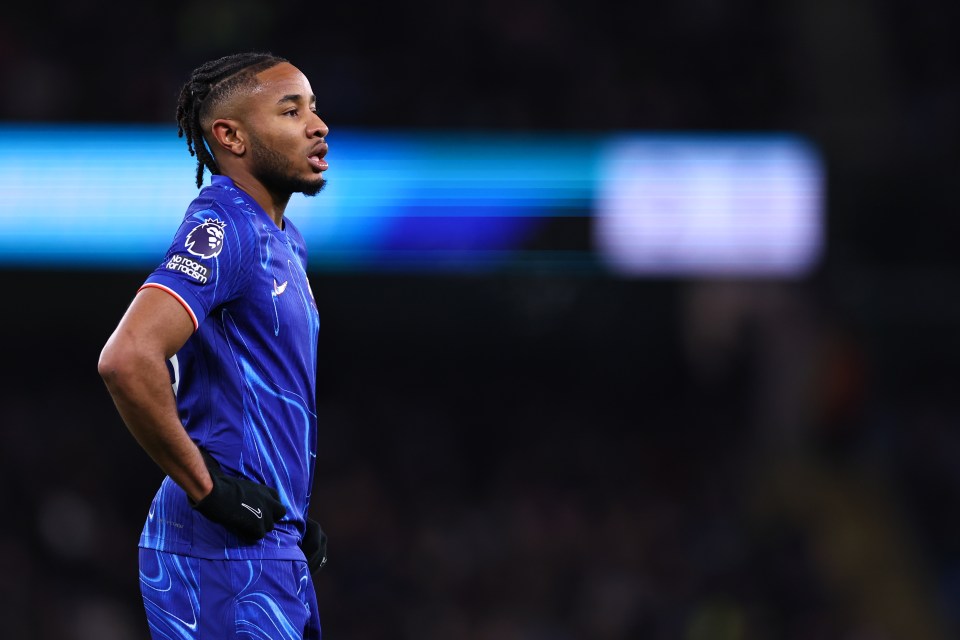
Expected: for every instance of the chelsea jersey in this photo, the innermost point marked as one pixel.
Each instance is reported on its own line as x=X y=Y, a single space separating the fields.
x=245 y=380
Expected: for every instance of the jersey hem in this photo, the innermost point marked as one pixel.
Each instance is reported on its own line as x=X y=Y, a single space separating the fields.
x=223 y=553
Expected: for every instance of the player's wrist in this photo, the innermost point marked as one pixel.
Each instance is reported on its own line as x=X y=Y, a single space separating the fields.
x=203 y=486
x=206 y=490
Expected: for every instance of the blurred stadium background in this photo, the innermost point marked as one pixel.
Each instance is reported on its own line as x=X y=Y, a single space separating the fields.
x=522 y=437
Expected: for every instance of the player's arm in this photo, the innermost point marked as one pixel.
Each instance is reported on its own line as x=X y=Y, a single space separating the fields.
x=133 y=366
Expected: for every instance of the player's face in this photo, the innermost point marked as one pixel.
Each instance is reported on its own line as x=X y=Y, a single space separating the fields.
x=287 y=137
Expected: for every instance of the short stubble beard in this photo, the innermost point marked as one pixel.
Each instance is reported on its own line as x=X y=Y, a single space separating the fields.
x=276 y=173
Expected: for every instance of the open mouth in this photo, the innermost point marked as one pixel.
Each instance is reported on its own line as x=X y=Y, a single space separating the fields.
x=315 y=158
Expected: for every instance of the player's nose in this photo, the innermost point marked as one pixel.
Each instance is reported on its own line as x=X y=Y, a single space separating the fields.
x=318 y=128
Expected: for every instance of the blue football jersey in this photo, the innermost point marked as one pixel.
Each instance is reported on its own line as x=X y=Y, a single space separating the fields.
x=245 y=380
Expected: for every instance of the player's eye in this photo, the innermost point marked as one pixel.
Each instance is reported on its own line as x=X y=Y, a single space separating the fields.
x=292 y=112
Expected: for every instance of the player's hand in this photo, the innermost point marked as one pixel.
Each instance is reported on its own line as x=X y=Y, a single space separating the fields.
x=248 y=509
x=314 y=546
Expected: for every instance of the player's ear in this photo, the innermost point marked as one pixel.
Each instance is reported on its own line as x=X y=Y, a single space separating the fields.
x=227 y=135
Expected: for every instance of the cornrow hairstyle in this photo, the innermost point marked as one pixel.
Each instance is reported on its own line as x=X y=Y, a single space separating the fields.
x=209 y=85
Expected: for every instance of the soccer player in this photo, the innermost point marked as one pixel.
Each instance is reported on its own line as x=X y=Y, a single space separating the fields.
x=213 y=368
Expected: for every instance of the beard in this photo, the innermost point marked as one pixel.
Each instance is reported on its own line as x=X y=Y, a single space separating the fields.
x=276 y=172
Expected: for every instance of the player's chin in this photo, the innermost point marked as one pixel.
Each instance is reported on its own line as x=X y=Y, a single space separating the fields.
x=313 y=186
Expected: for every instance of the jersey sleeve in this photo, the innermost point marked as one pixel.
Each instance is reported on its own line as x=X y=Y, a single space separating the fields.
x=203 y=268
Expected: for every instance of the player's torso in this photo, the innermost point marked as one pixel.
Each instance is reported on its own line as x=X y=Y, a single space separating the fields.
x=246 y=386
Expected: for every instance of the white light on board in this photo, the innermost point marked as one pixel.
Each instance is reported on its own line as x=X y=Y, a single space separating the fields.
x=710 y=206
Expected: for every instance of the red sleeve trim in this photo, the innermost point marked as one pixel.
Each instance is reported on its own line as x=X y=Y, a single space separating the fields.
x=183 y=303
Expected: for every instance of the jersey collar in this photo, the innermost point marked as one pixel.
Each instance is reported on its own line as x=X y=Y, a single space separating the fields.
x=248 y=201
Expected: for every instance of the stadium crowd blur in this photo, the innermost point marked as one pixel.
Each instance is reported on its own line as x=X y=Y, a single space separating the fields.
x=543 y=455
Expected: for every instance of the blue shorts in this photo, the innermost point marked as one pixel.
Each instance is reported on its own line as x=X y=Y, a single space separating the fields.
x=195 y=599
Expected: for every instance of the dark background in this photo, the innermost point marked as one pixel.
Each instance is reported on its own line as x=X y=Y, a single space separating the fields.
x=536 y=454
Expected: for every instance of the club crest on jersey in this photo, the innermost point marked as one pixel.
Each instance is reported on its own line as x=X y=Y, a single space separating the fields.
x=206 y=239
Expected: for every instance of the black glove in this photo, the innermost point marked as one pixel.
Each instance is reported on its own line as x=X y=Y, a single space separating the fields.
x=314 y=546
x=246 y=508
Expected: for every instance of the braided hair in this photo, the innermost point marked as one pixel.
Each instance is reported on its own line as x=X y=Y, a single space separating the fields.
x=209 y=85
